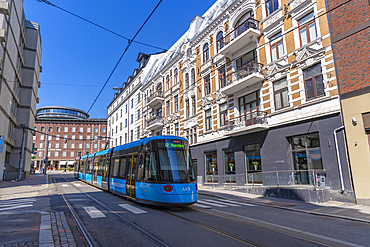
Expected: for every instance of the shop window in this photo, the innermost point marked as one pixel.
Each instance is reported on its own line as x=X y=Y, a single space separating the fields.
x=307 y=29
x=229 y=164
x=211 y=166
x=281 y=94
x=313 y=81
x=306 y=155
x=253 y=163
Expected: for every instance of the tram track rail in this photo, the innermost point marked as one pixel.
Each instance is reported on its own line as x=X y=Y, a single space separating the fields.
x=123 y=219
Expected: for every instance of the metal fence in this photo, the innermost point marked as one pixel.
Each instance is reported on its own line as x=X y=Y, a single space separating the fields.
x=8 y=176
x=286 y=178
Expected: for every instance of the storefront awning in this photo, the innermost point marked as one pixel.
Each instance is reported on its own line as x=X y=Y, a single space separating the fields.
x=63 y=163
x=70 y=162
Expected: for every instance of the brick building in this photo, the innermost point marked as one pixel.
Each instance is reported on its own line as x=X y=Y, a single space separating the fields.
x=66 y=133
x=349 y=24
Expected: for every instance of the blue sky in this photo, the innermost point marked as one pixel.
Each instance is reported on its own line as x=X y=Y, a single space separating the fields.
x=78 y=57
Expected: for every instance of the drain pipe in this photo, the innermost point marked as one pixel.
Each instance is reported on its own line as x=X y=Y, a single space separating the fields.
x=339 y=164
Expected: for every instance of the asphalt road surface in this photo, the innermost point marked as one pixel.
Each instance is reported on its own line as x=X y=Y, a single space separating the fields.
x=114 y=221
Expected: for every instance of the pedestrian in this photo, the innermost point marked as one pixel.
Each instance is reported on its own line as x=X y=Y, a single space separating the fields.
x=65 y=169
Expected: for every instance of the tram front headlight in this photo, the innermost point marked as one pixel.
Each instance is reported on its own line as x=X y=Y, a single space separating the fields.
x=167 y=188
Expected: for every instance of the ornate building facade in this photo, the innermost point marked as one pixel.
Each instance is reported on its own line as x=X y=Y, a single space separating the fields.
x=252 y=86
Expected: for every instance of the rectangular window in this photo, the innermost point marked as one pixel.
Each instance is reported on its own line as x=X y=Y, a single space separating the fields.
x=72 y=153
x=307 y=29
x=222 y=77
x=88 y=129
x=96 y=129
x=41 y=145
x=50 y=129
x=187 y=108
x=281 y=94
x=73 y=137
x=138 y=114
x=176 y=103
x=168 y=130
x=73 y=129
x=81 y=129
x=80 y=145
x=42 y=129
x=57 y=137
x=276 y=44
x=223 y=115
x=253 y=163
x=126 y=122
x=81 y=137
x=87 y=145
x=72 y=145
x=271 y=6
x=103 y=130
x=313 y=81
x=306 y=155
x=56 y=145
x=58 y=129
x=40 y=153
x=64 y=153
x=65 y=129
x=138 y=132
x=50 y=137
x=168 y=106
x=125 y=137
x=177 y=130
x=132 y=118
x=132 y=103
x=138 y=98
x=211 y=166
x=41 y=137
x=87 y=137
x=193 y=105
x=95 y=145
x=207 y=85
x=56 y=154
x=120 y=126
x=132 y=135
x=208 y=115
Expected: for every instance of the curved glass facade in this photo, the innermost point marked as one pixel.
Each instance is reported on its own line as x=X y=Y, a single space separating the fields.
x=61 y=113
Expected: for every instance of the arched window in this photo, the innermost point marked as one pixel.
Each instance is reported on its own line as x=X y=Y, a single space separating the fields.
x=189 y=52
x=220 y=41
x=175 y=75
x=168 y=82
x=159 y=88
x=193 y=77
x=186 y=80
x=243 y=23
x=205 y=53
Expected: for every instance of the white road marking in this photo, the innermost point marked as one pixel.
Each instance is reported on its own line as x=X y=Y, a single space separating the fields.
x=200 y=205
x=239 y=203
x=213 y=204
x=77 y=185
x=132 y=209
x=223 y=203
x=14 y=207
x=65 y=185
x=94 y=212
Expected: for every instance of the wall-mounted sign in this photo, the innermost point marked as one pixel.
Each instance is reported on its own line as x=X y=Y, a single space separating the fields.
x=279 y=161
x=1 y=144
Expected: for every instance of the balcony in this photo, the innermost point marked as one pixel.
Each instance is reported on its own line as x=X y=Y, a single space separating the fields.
x=154 y=122
x=241 y=78
x=248 y=123
x=155 y=99
x=246 y=33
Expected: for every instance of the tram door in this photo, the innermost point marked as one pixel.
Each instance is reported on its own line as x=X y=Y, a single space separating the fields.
x=131 y=175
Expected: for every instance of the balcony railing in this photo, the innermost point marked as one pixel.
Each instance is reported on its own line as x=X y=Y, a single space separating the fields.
x=244 y=76
x=256 y=117
x=154 y=120
x=243 y=35
x=158 y=94
x=244 y=26
x=284 y=178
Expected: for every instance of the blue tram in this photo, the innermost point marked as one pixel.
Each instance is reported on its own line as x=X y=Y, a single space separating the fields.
x=156 y=170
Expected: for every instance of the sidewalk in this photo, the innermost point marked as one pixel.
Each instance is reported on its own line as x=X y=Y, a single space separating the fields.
x=342 y=210
x=26 y=216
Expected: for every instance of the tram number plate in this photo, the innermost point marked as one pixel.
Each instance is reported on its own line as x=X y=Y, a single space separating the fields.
x=186 y=188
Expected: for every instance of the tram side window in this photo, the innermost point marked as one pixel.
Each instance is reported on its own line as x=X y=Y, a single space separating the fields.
x=106 y=164
x=100 y=165
x=140 y=172
x=150 y=167
x=89 y=167
x=82 y=166
x=123 y=167
x=115 y=167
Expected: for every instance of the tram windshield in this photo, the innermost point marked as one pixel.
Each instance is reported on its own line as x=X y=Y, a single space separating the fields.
x=174 y=161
